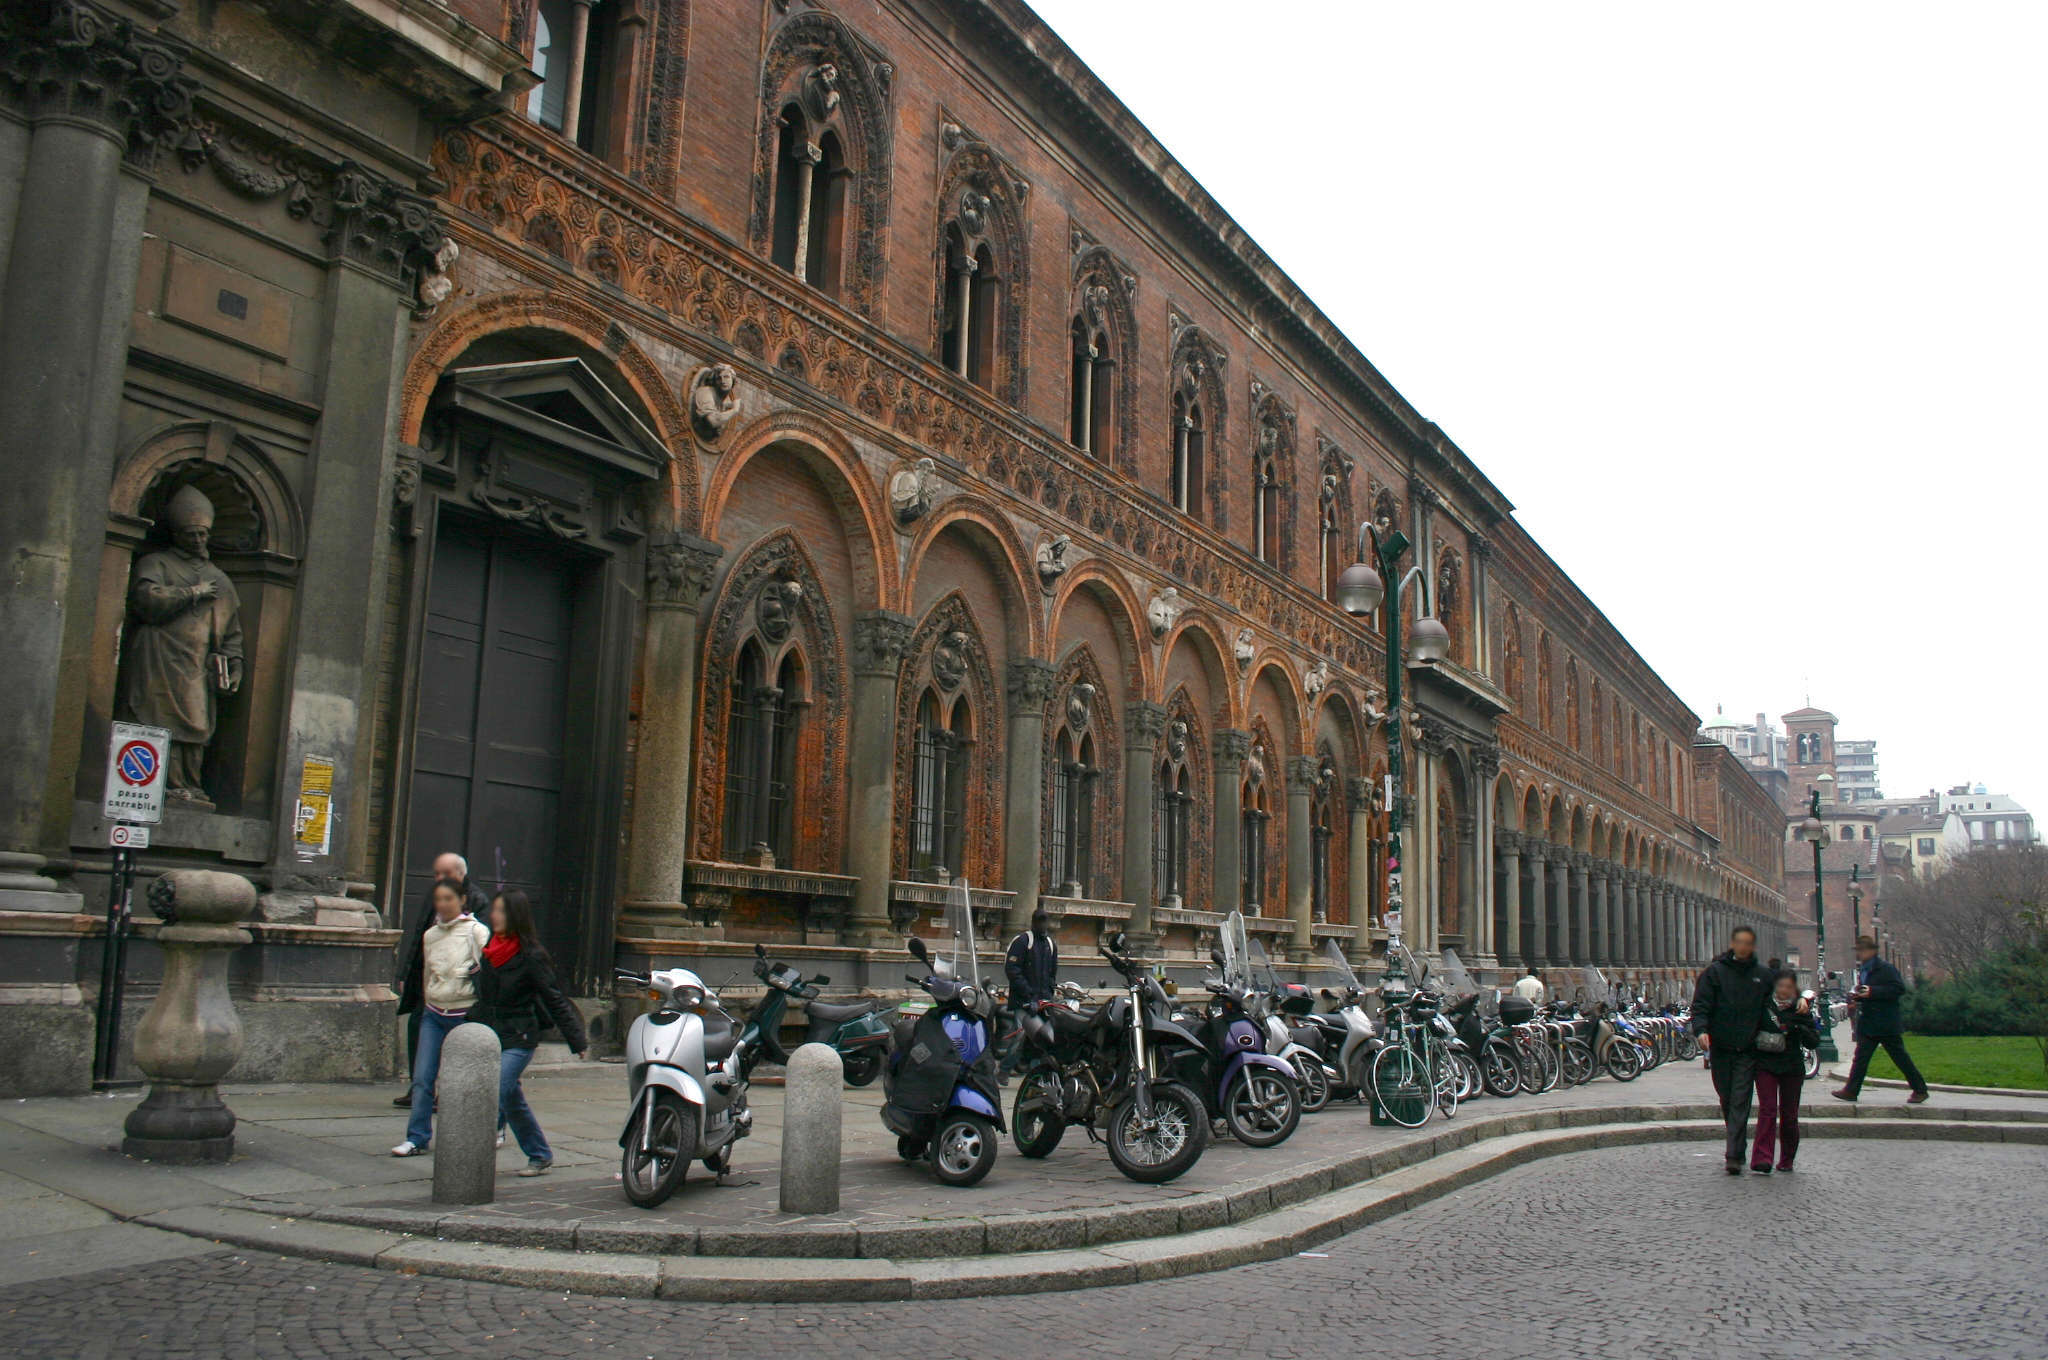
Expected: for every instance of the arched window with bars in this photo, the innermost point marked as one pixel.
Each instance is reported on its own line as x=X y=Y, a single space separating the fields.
x=761 y=746
x=943 y=736
x=1256 y=815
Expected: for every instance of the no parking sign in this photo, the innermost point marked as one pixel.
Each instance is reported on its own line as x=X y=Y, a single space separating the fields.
x=135 y=773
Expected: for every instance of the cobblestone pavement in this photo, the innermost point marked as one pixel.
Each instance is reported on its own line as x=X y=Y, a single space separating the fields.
x=1647 y=1251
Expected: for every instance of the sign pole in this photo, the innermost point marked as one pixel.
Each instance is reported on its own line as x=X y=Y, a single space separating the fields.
x=132 y=803
x=107 y=1035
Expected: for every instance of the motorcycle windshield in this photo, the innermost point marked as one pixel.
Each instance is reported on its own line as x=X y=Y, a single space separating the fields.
x=1339 y=974
x=956 y=954
x=1236 y=950
x=1595 y=985
x=1262 y=975
x=1457 y=982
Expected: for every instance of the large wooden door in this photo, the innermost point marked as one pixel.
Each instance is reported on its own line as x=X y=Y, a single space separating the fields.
x=489 y=750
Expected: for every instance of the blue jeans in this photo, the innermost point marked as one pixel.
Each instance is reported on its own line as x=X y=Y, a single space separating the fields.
x=513 y=1110
x=426 y=1070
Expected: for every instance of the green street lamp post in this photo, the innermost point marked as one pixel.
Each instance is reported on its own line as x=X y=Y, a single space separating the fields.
x=1815 y=833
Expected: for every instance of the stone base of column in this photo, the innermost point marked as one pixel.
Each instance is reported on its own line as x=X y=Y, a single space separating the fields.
x=24 y=887
x=669 y=921
x=180 y=1124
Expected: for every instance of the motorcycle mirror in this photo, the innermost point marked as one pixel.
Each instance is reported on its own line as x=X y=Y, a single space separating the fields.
x=759 y=952
x=1118 y=943
x=1329 y=995
x=822 y=980
x=1216 y=957
x=917 y=949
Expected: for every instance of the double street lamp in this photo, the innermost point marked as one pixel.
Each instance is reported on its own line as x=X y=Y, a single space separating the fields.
x=1815 y=833
x=1360 y=589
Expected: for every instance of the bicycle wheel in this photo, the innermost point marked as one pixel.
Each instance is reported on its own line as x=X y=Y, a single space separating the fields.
x=1553 y=1065
x=1444 y=1079
x=1402 y=1086
x=1624 y=1060
x=1578 y=1062
x=1529 y=1065
x=1470 y=1083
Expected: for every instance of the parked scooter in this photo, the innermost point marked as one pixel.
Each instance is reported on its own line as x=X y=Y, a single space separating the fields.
x=686 y=1070
x=942 y=1103
x=1250 y=1090
x=1349 y=1034
x=858 y=1032
x=1280 y=1008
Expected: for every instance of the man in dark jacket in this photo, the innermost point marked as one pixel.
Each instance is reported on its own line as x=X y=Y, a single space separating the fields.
x=1878 y=1022
x=407 y=983
x=1032 y=966
x=1727 y=1010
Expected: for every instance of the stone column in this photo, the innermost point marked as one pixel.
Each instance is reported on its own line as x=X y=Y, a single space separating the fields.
x=1631 y=917
x=880 y=638
x=1301 y=790
x=1231 y=747
x=1667 y=921
x=1582 y=908
x=1536 y=949
x=1597 y=952
x=679 y=571
x=94 y=92
x=1508 y=851
x=1485 y=770
x=1144 y=724
x=1029 y=685
x=1557 y=945
x=1358 y=796
x=191 y=1037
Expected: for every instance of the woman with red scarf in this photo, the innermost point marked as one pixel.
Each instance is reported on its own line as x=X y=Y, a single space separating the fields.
x=514 y=983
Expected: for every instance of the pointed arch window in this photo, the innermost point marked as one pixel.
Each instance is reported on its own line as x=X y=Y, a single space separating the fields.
x=1544 y=680
x=1091 y=421
x=1331 y=538
x=1172 y=819
x=811 y=185
x=577 y=51
x=1073 y=811
x=1190 y=433
x=1266 y=496
x=939 y=798
x=1256 y=814
x=1571 y=702
x=760 y=758
x=1512 y=669
x=973 y=302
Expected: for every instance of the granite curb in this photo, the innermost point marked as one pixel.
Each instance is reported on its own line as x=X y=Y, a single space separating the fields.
x=1085 y=1250
x=1887 y=1084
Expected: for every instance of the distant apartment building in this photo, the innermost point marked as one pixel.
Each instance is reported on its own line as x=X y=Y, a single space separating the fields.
x=1856 y=771
x=1990 y=819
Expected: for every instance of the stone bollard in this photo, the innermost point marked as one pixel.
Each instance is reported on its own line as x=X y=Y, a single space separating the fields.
x=810 y=1131
x=191 y=1036
x=466 y=1117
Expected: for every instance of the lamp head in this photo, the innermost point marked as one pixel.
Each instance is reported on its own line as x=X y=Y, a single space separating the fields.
x=1428 y=639
x=1359 y=589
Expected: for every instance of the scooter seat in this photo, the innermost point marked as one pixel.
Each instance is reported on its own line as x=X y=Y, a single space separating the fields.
x=823 y=1010
x=720 y=1034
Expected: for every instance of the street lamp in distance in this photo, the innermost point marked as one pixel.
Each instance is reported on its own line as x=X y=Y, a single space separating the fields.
x=1814 y=832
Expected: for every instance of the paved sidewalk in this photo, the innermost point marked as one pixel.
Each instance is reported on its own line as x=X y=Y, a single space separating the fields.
x=306 y=1149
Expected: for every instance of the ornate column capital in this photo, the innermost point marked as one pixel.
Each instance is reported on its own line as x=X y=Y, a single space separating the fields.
x=679 y=570
x=880 y=638
x=1481 y=547
x=1302 y=774
x=1358 y=793
x=1029 y=683
x=1507 y=842
x=1433 y=736
x=1581 y=861
x=1232 y=743
x=1145 y=723
x=1486 y=759
x=72 y=61
x=1535 y=849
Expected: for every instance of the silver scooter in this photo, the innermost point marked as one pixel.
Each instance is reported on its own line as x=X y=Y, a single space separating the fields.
x=686 y=1071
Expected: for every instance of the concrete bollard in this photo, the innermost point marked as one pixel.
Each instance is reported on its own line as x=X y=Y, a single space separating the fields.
x=810 y=1131
x=466 y=1117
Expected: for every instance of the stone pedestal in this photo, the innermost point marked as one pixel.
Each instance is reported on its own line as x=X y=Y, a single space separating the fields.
x=191 y=1036
x=810 y=1132
x=466 y=1117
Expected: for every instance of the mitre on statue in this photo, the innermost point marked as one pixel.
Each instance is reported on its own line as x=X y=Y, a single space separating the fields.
x=189 y=509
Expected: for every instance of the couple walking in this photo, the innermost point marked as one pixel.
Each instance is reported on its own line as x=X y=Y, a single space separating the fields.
x=453 y=970
x=1756 y=1028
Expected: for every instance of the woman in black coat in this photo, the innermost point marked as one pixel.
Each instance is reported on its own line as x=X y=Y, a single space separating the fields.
x=516 y=986
x=1781 y=1074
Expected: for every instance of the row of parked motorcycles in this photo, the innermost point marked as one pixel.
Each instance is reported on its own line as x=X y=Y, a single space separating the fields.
x=1149 y=1076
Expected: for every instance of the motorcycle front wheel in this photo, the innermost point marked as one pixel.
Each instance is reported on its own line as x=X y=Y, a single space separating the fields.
x=1175 y=1141
x=1498 y=1072
x=1036 y=1120
x=1812 y=1062
x=1624 y=1060
x=1470 y=1083
x=862 y=1067
x=1315 y=1086
x=1262 y=1107
x=963 y=1148
x=1578 y=1065
x=651 y=1175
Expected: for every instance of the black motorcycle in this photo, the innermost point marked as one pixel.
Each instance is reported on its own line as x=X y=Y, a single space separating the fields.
x=1082 y=1069
x=1491 y=1046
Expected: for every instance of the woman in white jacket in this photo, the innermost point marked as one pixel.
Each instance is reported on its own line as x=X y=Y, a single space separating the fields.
x=450 y=953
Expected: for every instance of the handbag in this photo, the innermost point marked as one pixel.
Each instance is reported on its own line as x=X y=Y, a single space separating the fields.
x=1770 y=1035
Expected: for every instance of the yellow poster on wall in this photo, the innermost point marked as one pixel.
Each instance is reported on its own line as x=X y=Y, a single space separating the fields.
x=314 y=822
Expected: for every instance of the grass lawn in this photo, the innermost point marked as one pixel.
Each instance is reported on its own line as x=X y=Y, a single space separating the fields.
x=1971 y=1060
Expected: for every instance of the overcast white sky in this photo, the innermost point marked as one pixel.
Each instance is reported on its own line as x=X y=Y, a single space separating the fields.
x=1745 y=306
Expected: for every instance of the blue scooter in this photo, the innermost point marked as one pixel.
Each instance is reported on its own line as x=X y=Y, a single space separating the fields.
x=940 y=1079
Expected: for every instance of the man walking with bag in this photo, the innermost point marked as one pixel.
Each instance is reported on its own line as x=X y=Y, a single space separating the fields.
x=1878 y=1022
x=1727 y=1010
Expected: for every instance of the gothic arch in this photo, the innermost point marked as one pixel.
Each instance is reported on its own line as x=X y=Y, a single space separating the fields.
x=1451 y=603
x=1292 y=705
x=982 y=199
x=806 y=46
x=986 y=523
x=737 y=616
x=1102 y=288
x=535 y=317
x=1195 y=372
x=863 y=517
x=254 y=510
x=1124 y=611
x=1201 y=809
x=1205 y=641
x=1099 y=725
x=1513 y=669
x=962 y=673
x=1275 y=449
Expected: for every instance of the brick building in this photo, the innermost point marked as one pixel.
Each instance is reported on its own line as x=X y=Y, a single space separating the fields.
x=728 y=466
